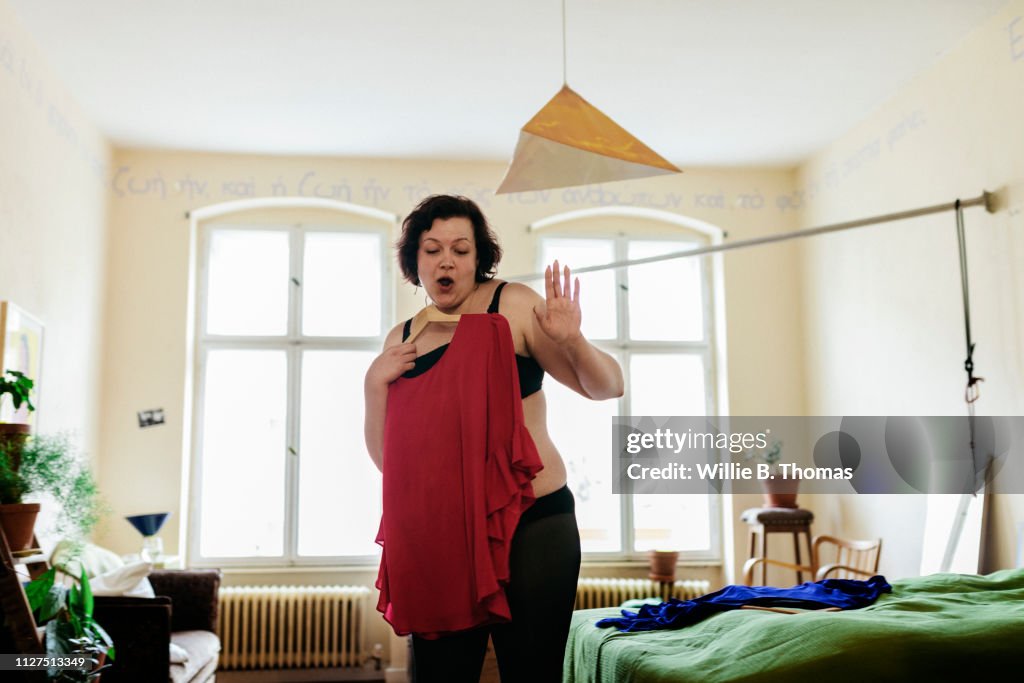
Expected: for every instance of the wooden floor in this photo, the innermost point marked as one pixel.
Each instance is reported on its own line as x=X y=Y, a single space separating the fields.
x=490 y=670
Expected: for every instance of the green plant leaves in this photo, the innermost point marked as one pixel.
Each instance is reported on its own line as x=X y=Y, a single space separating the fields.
x=44 y=597
x=70 y=629
x=20 y=388
x=51 y=464
x=105 y=637
x=87 y=601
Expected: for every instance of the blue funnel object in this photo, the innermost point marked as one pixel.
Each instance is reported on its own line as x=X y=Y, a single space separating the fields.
x=149 y=525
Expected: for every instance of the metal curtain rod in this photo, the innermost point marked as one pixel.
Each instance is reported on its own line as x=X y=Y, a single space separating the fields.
x=986 y=199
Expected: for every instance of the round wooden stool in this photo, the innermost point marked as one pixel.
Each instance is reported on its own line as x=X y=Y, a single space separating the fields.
x=764 y=521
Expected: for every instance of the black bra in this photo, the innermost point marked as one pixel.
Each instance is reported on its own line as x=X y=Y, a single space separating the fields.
x=531 y=374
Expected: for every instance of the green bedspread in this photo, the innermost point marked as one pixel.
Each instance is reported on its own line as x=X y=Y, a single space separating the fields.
x=936 y=628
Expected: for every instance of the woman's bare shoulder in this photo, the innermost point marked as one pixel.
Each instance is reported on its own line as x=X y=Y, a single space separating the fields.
x=394 y=337
x=517 y=304
x=517 y=296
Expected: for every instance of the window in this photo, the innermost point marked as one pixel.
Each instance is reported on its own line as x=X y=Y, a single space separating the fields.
x=281 y=350
x=656 y=319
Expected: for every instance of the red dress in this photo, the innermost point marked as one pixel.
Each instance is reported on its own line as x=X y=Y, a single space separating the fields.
x=458 y=461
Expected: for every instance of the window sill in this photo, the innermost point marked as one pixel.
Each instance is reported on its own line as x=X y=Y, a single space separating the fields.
x=643 y=564
x=372 y=568
x=303 y=569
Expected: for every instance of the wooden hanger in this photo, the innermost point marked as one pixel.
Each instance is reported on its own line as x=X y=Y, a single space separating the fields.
x=427 y=315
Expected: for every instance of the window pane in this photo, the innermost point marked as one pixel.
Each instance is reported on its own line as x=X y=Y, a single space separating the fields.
x=339 y=486
x=666 y=299
x=597 y=290
x=582 y=431
x=248 y=283
x=336 y=267
x=667 y=522
x=667 y=384
x=243 y=447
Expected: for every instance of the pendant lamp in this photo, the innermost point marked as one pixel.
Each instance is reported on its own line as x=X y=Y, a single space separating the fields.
x=571 y=142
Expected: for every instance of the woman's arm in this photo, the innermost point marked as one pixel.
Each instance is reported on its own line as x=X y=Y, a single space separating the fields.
x=553 y=337
x=396 y=358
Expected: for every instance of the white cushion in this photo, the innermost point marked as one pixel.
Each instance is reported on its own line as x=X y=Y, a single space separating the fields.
x=130 y=580
x=94 y=559
x=203 y=648
x=179 y=655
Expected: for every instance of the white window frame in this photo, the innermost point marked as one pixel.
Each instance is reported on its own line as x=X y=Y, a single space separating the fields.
x=292 y=342
x=712 y=347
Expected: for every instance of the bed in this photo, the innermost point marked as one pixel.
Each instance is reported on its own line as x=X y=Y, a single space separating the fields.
x=937 y=628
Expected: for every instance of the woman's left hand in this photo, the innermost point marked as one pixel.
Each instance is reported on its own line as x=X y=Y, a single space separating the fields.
x=560 y=317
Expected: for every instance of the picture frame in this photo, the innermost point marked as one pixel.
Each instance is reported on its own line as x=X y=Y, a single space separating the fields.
x=21 y=349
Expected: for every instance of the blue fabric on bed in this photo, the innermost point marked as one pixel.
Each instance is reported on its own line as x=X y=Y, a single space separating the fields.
x=842 y=593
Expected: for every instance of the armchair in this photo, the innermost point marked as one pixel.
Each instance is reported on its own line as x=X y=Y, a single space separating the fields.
x=184 y=612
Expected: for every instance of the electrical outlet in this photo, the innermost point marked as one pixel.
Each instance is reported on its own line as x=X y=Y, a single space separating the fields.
x=150 y=418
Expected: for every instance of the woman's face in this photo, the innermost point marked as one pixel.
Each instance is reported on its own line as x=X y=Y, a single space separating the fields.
x=447 y=261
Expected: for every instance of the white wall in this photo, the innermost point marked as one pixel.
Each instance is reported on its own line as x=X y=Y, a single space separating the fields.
x=883 y=318
x=53 y=228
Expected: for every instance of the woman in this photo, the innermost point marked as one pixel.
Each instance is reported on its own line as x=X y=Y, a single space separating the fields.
x=448 y=248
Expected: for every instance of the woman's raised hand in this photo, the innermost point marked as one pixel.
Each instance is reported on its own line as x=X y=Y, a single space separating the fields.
x=560 y=317
x=391 y=363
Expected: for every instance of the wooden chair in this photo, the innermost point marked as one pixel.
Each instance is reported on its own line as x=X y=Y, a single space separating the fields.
x=831 y=558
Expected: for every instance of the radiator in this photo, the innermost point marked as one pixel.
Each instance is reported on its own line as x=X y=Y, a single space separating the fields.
x=608 y=592
x=285 y=627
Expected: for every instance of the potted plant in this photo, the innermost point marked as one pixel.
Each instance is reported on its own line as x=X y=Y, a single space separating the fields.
x=67 y=614
x=662 y=564
x=779 y=491
x=19 y=387
x=48 y=465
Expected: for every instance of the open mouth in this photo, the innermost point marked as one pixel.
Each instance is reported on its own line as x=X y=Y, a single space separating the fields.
x=445 y=282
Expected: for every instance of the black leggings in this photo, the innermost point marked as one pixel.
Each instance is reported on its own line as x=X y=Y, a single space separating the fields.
x=544 y=566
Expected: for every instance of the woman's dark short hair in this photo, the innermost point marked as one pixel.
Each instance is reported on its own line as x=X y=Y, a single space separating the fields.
x=443 y=206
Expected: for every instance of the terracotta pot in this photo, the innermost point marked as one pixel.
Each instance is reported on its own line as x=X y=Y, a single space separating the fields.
x=663 y=565
x=12 y=439
x=780 y=492
x=18 y=521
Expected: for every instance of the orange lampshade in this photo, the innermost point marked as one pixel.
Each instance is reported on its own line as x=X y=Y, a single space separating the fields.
x=571 y=142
